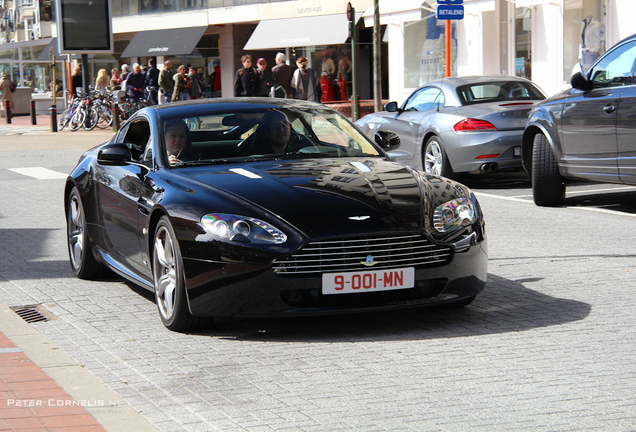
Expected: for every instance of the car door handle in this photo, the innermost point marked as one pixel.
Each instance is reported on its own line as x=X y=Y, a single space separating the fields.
x=413 y=122
x=609 y=108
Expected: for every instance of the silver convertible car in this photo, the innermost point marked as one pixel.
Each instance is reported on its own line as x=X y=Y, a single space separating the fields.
x=455 y=125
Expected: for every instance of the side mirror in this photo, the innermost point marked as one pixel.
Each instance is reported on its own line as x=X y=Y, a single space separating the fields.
x=578 y=80
x=114 y=154
x=391 y=107
x=387 y=140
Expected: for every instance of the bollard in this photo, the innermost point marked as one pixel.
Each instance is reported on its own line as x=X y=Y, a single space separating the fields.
x=34 y=119
x=53 y=110
x=115 y=114
x=7 y=110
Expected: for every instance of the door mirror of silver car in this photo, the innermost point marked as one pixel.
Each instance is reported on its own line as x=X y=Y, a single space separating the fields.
x=114 y=154
x=391 y=107
x=579 y=79
x=387 y=140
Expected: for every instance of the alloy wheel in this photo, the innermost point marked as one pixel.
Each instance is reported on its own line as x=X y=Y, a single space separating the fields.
x=165 y=273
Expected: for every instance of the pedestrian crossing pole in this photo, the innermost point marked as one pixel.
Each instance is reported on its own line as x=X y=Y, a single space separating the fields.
x=449 y=10
x=351 y=16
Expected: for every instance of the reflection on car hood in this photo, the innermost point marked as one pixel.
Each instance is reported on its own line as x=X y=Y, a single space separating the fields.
x=326 y=197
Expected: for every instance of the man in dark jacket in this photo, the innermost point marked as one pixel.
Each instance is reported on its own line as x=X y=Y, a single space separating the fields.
x=283 y=74
x=152 y=81
x=166 y=82
x=135 y=83
x=246 y=81
x=266 y=77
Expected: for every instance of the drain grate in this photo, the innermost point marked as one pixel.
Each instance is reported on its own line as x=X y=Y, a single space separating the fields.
x=32 y=314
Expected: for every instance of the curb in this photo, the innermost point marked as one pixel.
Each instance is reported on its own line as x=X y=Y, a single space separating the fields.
x=80 y=384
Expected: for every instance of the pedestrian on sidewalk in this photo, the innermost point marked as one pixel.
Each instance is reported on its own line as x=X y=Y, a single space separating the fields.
x=246 y=81
x=7 y=93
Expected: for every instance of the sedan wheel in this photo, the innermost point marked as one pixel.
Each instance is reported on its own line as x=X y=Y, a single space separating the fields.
x=169 y=280
x=83 y=263
x=435 y=159
x=548 y=187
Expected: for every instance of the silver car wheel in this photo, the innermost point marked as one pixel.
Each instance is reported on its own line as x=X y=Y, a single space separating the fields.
x=433 y=158
x=76 y=233
x=165 y=273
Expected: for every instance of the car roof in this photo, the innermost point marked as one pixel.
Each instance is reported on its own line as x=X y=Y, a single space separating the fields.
x=211 y=105
x=449 y=84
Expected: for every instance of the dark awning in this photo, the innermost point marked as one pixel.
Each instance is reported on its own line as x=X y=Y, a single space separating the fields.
x=304 y=31
x=166 y=42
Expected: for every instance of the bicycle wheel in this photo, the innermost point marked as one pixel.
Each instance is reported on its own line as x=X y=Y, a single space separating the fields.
x=77 y=120
x=105 y=117
x=90 y=119
x=66 y=115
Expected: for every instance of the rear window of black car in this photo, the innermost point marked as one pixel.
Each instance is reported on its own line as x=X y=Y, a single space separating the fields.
x=499 y=91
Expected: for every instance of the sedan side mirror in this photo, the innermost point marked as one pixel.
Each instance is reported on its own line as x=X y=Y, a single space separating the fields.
x=579 y=79
x=387 y=140
x=391 y=107
x=114 y=154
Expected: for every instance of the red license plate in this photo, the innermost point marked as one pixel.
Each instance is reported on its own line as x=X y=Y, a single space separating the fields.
x=366 y=281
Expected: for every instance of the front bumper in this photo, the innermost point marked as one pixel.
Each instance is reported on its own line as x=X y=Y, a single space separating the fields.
x=225 y=289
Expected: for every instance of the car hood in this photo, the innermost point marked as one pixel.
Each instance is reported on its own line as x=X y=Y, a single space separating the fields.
x=324 y=197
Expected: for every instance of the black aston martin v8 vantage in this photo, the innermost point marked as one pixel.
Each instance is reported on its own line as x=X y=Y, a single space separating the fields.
x=258 y=207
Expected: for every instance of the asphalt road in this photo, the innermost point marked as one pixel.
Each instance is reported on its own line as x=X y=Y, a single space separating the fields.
x=548 y=346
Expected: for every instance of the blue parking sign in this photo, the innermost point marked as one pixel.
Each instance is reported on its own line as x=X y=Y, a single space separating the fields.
x=450 y=12
x=450 y=2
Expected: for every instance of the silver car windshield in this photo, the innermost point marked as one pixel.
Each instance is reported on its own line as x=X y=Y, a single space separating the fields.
x=498 y=92
x=245 y=135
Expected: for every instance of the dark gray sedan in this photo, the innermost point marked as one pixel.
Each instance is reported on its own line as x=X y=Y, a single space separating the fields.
x=460 y=124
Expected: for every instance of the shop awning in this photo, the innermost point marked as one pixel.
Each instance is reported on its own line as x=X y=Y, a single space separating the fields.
x=165 y=42
x=304 y=31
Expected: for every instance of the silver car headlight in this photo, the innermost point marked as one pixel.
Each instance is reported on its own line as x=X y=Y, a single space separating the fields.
x=242 y=229
x=454 y=215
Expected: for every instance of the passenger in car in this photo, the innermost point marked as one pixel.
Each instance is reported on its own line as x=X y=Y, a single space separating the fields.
x=178 y=142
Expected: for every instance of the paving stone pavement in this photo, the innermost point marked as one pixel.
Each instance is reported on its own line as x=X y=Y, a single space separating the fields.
x=548 y=346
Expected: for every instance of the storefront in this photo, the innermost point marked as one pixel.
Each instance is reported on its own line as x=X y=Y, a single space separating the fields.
x=541 y=40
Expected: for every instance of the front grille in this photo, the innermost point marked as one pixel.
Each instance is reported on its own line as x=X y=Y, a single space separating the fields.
x=350 y=254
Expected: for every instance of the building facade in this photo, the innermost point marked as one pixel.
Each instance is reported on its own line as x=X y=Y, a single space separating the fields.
x=539 y=39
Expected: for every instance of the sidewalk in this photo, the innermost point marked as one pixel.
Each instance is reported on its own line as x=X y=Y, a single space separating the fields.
x=43 y=124
x=44 y=390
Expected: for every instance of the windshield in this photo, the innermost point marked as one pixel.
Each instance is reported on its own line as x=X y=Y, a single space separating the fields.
x=272 y=133
x=498 y=92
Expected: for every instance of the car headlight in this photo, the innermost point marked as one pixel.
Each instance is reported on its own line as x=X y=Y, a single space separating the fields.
x=454 y=215
x=242 y=229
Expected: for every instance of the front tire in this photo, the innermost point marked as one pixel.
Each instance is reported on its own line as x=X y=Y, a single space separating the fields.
x=83 y=263
x=548 y=187
x=167 y=268
x=435 y=161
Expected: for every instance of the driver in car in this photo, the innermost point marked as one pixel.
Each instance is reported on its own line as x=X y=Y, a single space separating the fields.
x=277 y=132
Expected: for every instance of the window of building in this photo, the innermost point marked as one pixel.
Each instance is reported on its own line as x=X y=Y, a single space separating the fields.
x=584 y=33
x=523 y=42
x=424 y=51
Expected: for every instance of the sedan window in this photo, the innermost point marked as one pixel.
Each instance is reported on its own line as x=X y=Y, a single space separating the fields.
x=616 y=68
x=426 y=99
x=498 y=91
